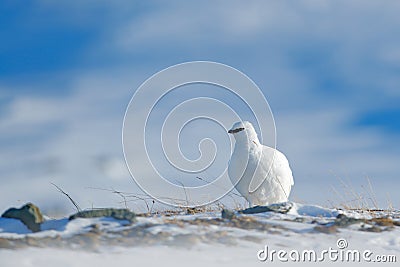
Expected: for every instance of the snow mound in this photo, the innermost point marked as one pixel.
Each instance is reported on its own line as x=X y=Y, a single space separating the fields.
x=312 y=211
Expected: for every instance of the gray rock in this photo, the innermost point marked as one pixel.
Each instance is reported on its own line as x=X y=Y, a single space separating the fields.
x=119 y=214
x=28 y=214
x=326 y=229
x=228 y=214
x=5 y=243
x=278 y=207
x=344 y=221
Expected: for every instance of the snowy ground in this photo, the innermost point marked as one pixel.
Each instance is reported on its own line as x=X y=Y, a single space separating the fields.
x=203 y=239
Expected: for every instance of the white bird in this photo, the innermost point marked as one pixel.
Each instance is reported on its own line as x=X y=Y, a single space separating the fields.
x=260 y=173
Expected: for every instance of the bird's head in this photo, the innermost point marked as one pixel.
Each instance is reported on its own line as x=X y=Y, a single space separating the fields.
x=244 y=131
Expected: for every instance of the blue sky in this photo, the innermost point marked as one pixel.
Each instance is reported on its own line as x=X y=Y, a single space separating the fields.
x=329 y=70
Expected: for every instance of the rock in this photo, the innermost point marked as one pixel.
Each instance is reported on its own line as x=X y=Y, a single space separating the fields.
x=278 y=207
x=328 y=229
x=228 y=214
x=383 y=221
x=373 y=229
x=284 y=207
x=5 y=243
x=344 y=221
x=256 y=209
x=29 y=214
x=191 y=211
x=119 y=214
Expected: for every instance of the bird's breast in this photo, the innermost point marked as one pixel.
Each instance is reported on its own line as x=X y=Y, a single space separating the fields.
x=241 y=159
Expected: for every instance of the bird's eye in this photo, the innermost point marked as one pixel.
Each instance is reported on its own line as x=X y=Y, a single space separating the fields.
x=236 y=130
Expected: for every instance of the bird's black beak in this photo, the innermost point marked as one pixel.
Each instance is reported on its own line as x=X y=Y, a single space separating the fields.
x=232 y=131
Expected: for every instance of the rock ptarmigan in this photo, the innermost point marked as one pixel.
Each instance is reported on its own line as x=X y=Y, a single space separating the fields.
x=260 y=173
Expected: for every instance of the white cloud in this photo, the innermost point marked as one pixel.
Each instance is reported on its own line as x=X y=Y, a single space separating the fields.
x=27 y=111
x=90 y=118
x=350 y=35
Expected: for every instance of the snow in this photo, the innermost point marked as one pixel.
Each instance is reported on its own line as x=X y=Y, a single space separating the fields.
x=202 y=239
x=12 y=228
x=160 y=256
x=312 y=211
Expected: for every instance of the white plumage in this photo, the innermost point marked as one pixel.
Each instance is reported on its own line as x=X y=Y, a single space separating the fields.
x=260 y=173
